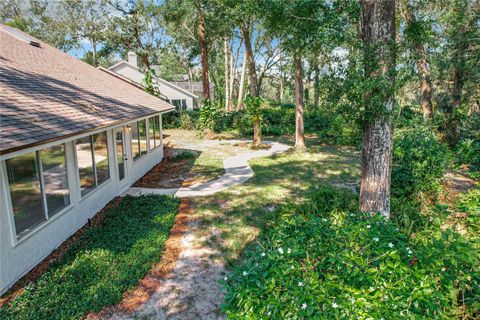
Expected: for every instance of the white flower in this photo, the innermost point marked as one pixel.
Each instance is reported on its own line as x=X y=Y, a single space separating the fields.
x=390 y=245
x=226 y=278
x=324 y=220
x=245 y=273
x=396 y=229
x=300 y=284
x=351 y=214
x=304 y=306
x=376 y=239
x=292 y=267
x=369 y=226
x=334 y=305
x=263 y=254
x=288 y=251
x=280 y=250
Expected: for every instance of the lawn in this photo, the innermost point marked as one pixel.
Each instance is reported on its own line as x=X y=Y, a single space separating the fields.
x=108 y=259
x=189 y=160
x=240 y=213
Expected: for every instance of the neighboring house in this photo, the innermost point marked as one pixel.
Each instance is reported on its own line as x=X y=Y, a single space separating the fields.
x=195 y=87
x=72 y=138
x=180 y=98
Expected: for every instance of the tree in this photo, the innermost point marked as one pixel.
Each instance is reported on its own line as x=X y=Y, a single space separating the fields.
x=378 y=36
x=139 y=28
x=299 y=126
x=34 y=17
x=241 y=83
x=460 y=58
x=203 y=21
x=253 y=88
x=417 y=31
x=87 y=20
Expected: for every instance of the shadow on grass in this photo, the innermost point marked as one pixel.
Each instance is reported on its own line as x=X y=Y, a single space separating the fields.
x=241 y=213
x=106 y=260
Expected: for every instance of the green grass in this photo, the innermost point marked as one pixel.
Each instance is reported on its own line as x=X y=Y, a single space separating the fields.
x=105 y=262
x=240 y=213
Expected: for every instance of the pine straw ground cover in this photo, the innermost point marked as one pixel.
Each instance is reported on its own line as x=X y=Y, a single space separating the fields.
x=105 y=261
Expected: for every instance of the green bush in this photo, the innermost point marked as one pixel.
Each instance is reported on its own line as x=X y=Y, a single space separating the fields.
x=102 y=264
x=337 y=126
x=181 y=120
x=420 y=160
x=325 y=261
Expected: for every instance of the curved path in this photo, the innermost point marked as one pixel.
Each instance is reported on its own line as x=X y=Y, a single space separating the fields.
x=237 y=171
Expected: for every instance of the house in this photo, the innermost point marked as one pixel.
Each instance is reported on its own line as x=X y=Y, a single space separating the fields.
x=196 y=87
x=182 y=99
x=72 y=137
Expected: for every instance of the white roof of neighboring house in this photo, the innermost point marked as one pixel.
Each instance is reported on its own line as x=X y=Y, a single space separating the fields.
x=158 y=79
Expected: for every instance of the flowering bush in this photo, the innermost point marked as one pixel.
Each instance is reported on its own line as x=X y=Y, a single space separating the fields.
x=325 y=261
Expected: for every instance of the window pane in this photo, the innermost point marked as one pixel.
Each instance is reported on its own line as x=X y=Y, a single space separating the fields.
x=142 y=132
x=177 y=104
x=120 y=152
x=157 y=131
x=25 y=192
x=184 y=104
x=55 y=181
x=101 y=157
x=135 y=145
x=151 y=132
x=85 y=164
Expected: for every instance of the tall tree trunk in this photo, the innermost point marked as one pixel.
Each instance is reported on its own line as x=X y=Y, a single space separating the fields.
x=233 y=64
x=452 y=131
x=316 y=86
x=227 y=82
x=250 y=61
x=426 y=86
x=202 y=42
x=423 y=67
x=242 y=82
x=299 y=128
x=282 y=87
x=94 y=53
x=378 y=33
x=257 y=130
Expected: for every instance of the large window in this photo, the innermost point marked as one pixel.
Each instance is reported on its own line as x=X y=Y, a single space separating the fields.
x=154 y=132
x=139 y=139
x=38 y=186
x=180 y=104
x=92 y=161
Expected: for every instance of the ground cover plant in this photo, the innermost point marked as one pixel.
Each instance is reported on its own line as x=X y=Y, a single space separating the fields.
x=106 y=261
x=326 y=260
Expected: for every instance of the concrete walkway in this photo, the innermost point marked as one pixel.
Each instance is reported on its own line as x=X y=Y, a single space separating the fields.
x=237 y=171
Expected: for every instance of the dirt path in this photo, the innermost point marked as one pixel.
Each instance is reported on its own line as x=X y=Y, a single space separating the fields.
x=190 y=289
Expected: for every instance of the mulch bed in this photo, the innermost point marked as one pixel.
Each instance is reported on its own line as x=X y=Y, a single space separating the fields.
x=170 y=173
x=56 y=255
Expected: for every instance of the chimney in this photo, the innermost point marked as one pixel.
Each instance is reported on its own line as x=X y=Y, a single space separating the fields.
x=132 y=58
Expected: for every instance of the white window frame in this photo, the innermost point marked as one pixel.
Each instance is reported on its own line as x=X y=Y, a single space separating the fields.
x=94 y=165
x=17 y=238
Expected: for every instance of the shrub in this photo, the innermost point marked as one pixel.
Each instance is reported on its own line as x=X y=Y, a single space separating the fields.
x=208 y=114
x=337 y=126
x=324 y=261
x=420 y=160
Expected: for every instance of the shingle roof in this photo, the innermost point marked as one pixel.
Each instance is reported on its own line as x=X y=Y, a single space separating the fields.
x=45 y=95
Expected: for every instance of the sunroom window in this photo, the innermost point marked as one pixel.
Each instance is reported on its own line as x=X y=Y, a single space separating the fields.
x=38 y=186
x=92 y=161
x=154 y=131
x=139 y=139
